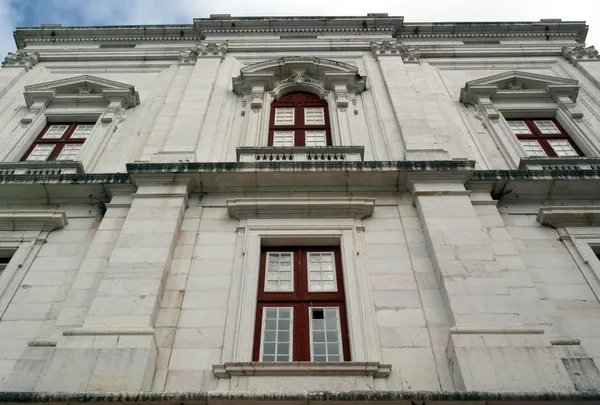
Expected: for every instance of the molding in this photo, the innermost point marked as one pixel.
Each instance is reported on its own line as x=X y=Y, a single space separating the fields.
x=21 y=59
x=561 y=217
x=299 y=73
x=200 y=50
x=246 y=208
x=492 y=330
x=84 y=88
x=108 y=331
x=301 y=368
x=386 y=48
x=30 y=220
x=560 y=163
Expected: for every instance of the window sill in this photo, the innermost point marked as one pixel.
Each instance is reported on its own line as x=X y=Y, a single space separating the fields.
x=302 y=368
x=562 y=217
x=560 y=163
x=300 y=153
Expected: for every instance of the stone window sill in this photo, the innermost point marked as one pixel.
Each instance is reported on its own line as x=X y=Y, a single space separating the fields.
x=302 y=368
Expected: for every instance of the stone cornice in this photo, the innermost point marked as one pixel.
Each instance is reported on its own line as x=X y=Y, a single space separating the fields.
x=561 y=217
x=29 y=220
x=247 y=208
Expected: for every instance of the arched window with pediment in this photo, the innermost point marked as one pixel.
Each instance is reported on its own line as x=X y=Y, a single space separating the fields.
x=299 y=119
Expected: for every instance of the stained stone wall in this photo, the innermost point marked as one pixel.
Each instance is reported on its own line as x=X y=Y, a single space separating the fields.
x=149 y=284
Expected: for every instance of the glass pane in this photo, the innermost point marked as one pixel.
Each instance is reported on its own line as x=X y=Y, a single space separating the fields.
x=55 y=132
x=519 y=127
x=562 y=147
x=315 y=138
x=40 y=152
x=276 y=334
x=69 y=152
x=284 y=116
x=326 y=338
x=82 y=131
x=546 y=127
x=533 y=148
x=314 y=116
x=281 y=138
x=279 y=274
x=321 y=272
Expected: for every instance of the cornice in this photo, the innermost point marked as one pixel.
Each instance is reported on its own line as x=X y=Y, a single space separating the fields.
x=561 y=217
x=247 y=208
x=29 y=220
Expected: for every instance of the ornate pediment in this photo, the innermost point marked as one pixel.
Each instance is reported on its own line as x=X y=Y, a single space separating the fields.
x=301 y=73
x=84 y=89
x=521 y=84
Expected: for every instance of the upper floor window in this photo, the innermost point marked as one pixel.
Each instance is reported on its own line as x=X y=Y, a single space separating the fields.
x=301 y=313
x=59 y=142
x=543 y=137
x=5 y=256
x=299 y=119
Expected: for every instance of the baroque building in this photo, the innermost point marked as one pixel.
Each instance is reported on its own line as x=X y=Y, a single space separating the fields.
x=300 y=210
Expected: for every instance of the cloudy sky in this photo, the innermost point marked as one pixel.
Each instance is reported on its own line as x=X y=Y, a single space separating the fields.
x=15 y=13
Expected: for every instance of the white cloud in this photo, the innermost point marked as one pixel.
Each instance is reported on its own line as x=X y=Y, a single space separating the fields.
x=135 y=12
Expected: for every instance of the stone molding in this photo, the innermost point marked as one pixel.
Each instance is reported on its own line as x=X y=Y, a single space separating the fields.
x=32 y=220
x=200 y=50
x=21 y=58
x=82 y=88
x=247 y=208
x=508 y=330
x=299 y=73
x=301 y=368
x=581 y=53
x=560 y=163
x=561 y=217
x=387 y=48
x=300 y=153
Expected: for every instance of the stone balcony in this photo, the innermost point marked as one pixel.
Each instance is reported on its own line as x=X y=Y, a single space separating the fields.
x=301 y=154
x=559 y=163
x=41 y=168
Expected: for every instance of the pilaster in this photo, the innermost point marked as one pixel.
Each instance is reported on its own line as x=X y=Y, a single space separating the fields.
x=494 y=344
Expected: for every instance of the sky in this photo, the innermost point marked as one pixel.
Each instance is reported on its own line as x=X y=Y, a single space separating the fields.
x=15 y=13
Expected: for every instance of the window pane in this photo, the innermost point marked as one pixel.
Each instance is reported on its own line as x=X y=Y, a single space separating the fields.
x=55 y=132
x=326 y=337
x=284 y=116
x=321 y=272
x=546 y=127
x=279 y=274
x=533 y=148
x=276 y=334
x=40 y=153
x=315 y=138
x=314 y=116
x=69 y=152
x=562 y=147
x=519 y=127
x=82 y=131
x=281 y=138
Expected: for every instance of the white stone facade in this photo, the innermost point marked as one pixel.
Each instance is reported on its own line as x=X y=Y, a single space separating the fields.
x=467 y=265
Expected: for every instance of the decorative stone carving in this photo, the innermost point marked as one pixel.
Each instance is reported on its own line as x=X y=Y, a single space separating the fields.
x=209 y=49
x=21 y=58
x=298 y=77
x=85 y=90
x=569 y=107
x=35 y=110
x=515 y=86
x=409 y=55
x=580 y=52
x=487 y=107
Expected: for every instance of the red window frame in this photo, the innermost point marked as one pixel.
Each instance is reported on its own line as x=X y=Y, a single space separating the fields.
x=299 y=101
x=301 y=300
x=543 y=139
x=60 y=143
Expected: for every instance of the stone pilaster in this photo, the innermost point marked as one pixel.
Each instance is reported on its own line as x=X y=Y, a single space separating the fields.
x=493 y=345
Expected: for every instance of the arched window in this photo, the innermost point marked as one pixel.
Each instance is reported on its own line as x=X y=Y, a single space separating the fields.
x=299 y=119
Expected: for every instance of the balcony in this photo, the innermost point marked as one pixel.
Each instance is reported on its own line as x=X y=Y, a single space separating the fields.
x=301 y=154
x=559 y=163
x=41 y=168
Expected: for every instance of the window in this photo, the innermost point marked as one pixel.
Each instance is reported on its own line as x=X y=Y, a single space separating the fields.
x=59 y=142
x=544 y=137
x=301 y=313
x=299 y=119
x=5 y=256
